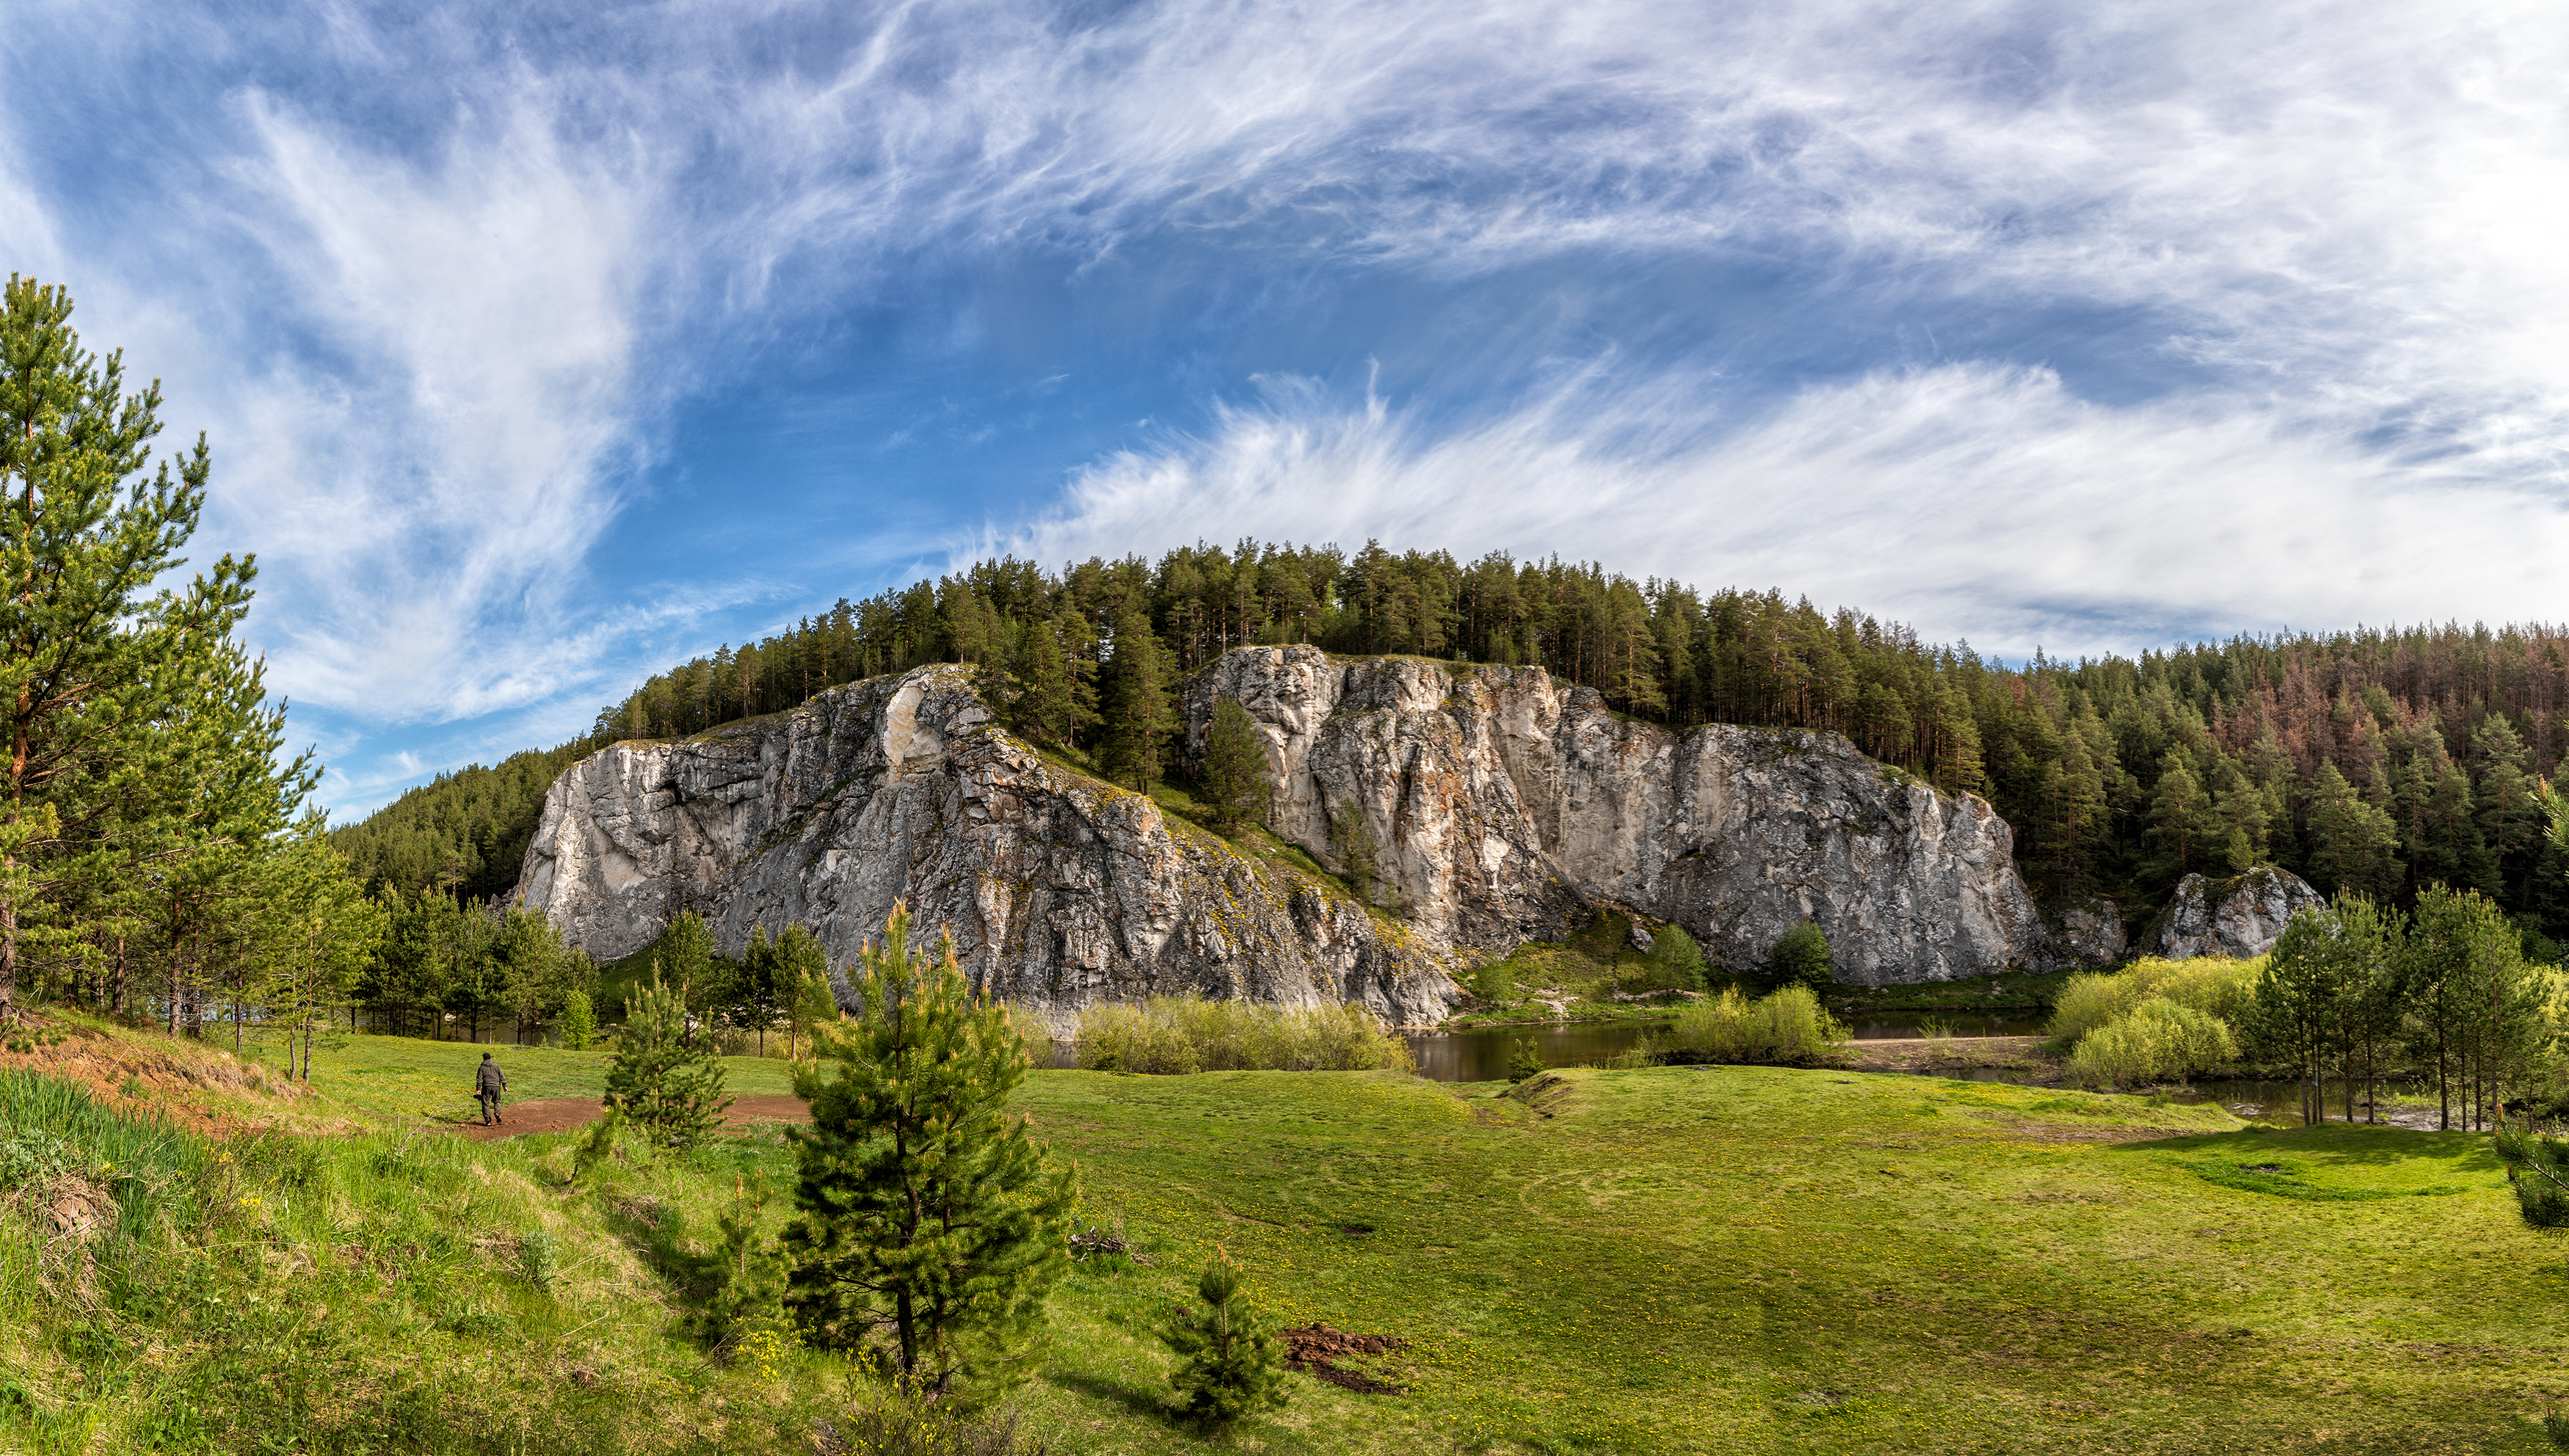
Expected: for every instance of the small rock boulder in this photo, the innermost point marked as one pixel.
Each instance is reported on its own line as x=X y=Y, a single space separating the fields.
x=2240 y=916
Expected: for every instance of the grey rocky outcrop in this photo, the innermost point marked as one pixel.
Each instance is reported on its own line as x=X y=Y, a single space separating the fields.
x=1504 y=809
x=1505 y=805
x=1061 y=891
x=2240 y=916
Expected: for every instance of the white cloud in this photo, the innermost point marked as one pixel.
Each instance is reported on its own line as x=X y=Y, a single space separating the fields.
x=431 y=336
x=433 y=481
x=1971 y=501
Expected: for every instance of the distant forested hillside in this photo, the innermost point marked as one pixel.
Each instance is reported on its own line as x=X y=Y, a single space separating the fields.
x=2377 y=760
x=466 y=831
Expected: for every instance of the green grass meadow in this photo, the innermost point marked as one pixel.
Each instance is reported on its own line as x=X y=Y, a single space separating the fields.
x=1670 y=1259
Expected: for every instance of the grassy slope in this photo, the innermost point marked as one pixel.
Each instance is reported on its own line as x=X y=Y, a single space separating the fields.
x=1735 y=1259
x=350 y=1291
x=1764 y=1260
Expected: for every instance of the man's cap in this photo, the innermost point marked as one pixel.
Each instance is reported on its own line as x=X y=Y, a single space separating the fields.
x=486 y=1056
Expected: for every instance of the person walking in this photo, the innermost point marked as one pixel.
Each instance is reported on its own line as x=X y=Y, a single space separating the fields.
x=488 y=1084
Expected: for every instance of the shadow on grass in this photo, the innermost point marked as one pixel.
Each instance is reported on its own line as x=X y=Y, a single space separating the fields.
x=1144 y=1403
x=2462 y=1153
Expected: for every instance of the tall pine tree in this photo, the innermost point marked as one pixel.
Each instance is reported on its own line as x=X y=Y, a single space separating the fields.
x=1140 y=713
x=1235 y=767
x=95 y=667
x=928 y=1219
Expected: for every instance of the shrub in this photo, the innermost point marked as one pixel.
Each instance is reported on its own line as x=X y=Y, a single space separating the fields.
x=744 y=1277
x=664 y=1082
x=540 y=1259
x=1229 y=1364
x=1787 y=1026
x=1800 y=957
x=1523 y=1060
x=578 y=1022
x=1495 y=981
x=1677 y=961
x=900 y=1422
x=2210 y=985
x=929 y=1227
x=1179 y=1035
x=2160 y=1040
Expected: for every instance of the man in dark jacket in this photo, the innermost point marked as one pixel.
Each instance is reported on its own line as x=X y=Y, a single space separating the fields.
x=488 y=1084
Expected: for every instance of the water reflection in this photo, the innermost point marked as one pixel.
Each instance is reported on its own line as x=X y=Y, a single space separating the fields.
x=1481 y=1055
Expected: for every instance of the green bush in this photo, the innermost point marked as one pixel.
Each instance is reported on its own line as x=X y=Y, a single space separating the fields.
x=1495 y=981
x=896 y=1422
x=579 y=1022
x=1179 y=1035
x=666 y=1084
x=2160 y=1040
x=1787 y=1026
x=1523 y=1060
x=2210 y=985
x=1800 y=957
x=1675 y=960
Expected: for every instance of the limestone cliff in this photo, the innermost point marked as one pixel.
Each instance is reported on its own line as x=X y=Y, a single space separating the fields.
x=1505 y=808
x=1504 y=805
x=1061 y=891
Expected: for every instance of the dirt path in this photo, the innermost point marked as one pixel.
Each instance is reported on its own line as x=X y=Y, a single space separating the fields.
x=570 y=1114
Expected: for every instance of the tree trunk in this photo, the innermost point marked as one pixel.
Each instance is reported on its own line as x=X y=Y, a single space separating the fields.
x=2443 y=1085
x=9 y=954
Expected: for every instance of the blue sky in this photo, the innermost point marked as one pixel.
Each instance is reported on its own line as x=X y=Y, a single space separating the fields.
x=541 y=345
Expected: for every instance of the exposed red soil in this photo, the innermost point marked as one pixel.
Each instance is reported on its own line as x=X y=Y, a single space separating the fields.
x=1316 y=1349
x=183 y=1081
x=570 y=1114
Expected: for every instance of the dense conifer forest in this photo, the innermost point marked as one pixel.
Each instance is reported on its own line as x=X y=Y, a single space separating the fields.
x=2379 y=759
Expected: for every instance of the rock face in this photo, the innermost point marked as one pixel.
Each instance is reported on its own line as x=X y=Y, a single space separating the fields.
x=1503 y=807
x=2090 y=933
x=2240 y=916
x=1061 y=891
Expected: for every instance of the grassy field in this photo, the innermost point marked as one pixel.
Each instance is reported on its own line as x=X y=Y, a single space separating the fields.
x=1747 y=1259
x=408 y=1078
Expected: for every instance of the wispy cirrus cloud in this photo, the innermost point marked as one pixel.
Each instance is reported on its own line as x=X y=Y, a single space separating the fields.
x=441 y=285
x=1974 y=501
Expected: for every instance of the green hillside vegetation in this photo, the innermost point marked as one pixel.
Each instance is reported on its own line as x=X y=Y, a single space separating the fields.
x=1669 y=1259
x=2381 y=761
x=464 y=831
